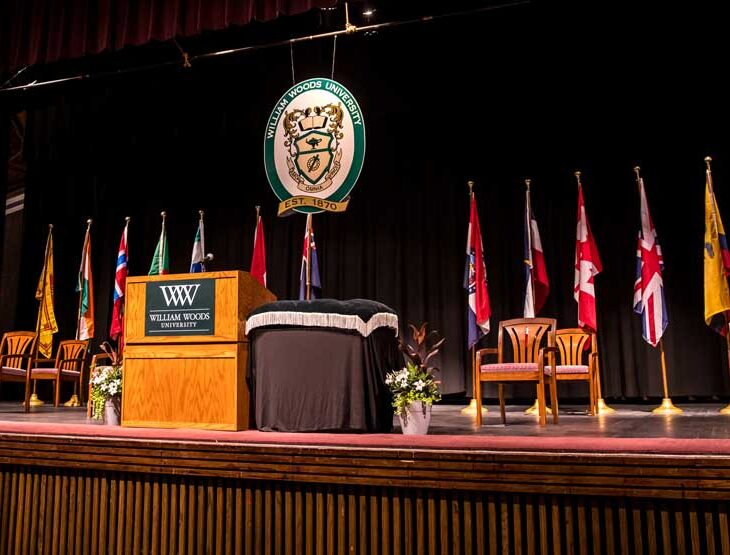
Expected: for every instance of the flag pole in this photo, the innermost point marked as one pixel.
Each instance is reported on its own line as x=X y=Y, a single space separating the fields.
x=34 y=400
x=81 y=293
x=471 y=408
x=201 y=226
x=667 y=407
x=309 y=256
x=535 y=408
x=601 y=407
x=708 y=172
x=121 y=343
x=74 y=399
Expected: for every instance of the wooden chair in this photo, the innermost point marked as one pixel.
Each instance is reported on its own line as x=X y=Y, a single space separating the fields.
x=532 y=341
x=571 y=345
x=16 y=357
x=68 y=366
x=96 y=360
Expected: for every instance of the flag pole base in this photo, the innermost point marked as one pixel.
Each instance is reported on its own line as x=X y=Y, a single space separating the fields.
x=35 y=401
x=471 y=409
x=603 y=408
x=725 y=410
x=667 y=407
x=73 y=401
x=535 y=409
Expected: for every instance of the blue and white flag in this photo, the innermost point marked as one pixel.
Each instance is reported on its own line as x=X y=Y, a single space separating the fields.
x=196 y=262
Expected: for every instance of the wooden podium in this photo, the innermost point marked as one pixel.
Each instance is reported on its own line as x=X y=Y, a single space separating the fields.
x=186 y=352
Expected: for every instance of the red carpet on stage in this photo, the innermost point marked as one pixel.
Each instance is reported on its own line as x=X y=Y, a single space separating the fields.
x=681 y=446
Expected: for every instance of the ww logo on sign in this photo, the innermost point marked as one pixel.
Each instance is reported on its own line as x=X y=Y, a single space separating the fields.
x=180 y=295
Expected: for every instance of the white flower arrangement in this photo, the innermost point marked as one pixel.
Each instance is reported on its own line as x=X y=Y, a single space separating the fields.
x=106 y=383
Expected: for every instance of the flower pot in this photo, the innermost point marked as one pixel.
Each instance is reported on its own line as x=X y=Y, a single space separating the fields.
x=416 y=419
x=112 y=409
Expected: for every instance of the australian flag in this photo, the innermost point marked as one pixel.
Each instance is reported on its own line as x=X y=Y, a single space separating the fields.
x=197 y=260
x=309 y=266
x=475 y=280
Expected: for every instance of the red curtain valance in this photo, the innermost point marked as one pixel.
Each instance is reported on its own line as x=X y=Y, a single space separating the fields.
x=38 y=31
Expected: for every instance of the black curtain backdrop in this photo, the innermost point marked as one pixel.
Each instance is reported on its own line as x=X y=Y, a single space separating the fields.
x=494 y=98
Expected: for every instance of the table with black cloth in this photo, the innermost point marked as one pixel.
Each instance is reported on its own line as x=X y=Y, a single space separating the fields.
x=320 y=365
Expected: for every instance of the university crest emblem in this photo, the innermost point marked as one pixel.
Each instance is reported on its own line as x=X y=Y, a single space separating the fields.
x=314 y=147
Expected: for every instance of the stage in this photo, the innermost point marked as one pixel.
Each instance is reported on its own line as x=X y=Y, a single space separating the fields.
x=629 y=482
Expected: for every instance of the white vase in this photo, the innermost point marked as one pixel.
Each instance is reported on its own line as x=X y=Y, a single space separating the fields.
x=111 y=411
x=416 y=419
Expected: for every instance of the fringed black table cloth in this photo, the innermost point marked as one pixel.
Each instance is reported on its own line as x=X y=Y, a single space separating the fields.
x=320 y=365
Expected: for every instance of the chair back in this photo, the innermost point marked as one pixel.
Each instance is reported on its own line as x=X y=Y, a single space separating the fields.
x=571 y=343
x=71 y=354
x=527 y=336
x=14 y=345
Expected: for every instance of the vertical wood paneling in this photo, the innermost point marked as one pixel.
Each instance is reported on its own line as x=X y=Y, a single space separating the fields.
x=49 y=511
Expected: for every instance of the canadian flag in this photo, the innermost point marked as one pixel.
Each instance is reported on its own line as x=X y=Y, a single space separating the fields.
x=587 y=266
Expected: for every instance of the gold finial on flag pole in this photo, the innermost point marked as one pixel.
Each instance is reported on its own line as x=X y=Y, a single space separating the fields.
x=258 y=211
x=471 y=187
x=126 y=220
x=201 y=214
x=577 y=177
x=527 y=183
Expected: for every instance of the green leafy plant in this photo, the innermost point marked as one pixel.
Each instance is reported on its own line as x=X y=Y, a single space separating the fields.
x=416 y=380
x=106 y=382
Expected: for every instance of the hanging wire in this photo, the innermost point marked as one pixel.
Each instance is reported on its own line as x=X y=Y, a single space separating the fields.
x=291 y=54
x=334 y=52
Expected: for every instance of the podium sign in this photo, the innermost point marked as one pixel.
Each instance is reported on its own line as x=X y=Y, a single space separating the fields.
x=180 y=307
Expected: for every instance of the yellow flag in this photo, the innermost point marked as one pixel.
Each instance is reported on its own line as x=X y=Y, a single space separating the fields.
x=47 y=325
x=717 y=265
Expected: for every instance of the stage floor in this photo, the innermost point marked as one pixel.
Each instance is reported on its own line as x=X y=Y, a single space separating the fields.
x=699 y=421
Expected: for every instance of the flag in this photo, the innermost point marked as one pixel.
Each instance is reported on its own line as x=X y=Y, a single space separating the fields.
x=536 y=279
x=717 y=264
x=587 y=267
x=197 y=260
x=161 y=259
x=258 y=262
x=649 y=286
x=309 y=260
x=47 y=325
x=85 y=289
x=475 y=279
x=120 y=286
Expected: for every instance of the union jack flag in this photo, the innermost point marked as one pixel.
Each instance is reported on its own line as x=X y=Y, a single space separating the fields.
x=649 y=286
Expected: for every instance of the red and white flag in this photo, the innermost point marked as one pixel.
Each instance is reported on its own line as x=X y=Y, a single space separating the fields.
x=537 y=286
x=587 y=267
x=258 y=262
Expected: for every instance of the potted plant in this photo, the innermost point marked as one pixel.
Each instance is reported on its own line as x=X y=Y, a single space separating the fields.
x=106 y=389
x=414 y=387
